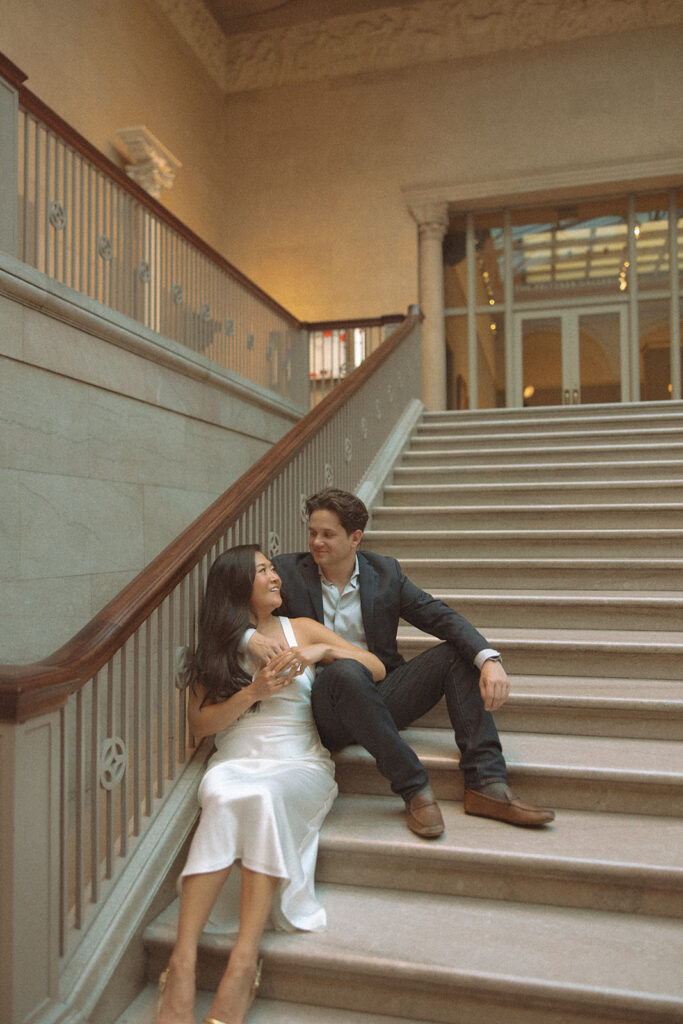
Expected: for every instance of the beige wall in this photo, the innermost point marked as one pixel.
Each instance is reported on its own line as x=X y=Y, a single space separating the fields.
x=301 y=186
x=106 y=457
x=315 y=207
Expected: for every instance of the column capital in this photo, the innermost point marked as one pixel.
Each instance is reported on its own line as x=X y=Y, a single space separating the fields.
x=431 y=217
x=154 y=167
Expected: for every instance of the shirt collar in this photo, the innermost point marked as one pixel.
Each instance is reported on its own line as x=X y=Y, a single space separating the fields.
x=353 y=582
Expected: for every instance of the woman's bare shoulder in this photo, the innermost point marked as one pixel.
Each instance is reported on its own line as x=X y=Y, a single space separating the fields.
x=306 y=629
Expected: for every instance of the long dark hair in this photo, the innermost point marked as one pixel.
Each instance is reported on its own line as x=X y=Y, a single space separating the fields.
x=225 y=614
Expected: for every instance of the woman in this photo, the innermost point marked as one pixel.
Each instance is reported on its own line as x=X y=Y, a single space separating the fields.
x=267 y=788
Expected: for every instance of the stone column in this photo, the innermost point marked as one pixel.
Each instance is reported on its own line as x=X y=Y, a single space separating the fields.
x=432 y=220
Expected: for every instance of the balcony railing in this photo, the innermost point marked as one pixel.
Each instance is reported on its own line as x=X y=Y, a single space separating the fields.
x=84 y=223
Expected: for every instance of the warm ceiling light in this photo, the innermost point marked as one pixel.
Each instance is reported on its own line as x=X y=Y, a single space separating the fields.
x=529 y=390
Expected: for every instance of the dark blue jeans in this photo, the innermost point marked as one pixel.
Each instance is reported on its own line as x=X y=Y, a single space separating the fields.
x=349 y=708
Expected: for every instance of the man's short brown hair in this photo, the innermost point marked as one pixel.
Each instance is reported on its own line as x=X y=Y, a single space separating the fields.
x=352 y=513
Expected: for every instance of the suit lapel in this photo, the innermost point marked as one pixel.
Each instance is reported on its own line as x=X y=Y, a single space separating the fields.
x=368 y=595
x=311 y=577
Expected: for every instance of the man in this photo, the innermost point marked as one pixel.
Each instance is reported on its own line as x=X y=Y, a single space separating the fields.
x=362 y=596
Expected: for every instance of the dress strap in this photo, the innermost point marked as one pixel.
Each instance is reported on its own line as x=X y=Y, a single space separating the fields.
x=288 y=631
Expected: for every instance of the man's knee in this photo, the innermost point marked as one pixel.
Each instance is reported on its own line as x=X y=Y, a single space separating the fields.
x=344 y=678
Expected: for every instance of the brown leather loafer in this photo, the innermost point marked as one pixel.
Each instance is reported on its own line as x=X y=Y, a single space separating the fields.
x=423 y=816
x=496 y=800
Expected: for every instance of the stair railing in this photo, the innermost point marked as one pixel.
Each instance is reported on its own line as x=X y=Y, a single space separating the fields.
x=93 y=738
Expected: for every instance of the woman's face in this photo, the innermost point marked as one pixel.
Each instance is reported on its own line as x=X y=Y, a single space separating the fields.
x=265 y=591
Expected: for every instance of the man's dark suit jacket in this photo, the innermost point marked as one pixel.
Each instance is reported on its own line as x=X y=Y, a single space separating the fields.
x=386 y=596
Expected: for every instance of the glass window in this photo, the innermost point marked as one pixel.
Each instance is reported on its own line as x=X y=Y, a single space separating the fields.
x=491 y=361
x=655 y=350
x=582 y=249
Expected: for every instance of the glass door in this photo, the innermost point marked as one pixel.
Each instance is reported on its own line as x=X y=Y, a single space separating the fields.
x=572 y=356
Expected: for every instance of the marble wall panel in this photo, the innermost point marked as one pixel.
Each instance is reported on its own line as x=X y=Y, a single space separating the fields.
x=10 y=525
x=63 y=348
x=133 y=441
x=73 y=526
x=207 y=400
x=106 y=585
x=11 y=327
x=56 y=608
x=168 y=510
x=43 y=421
x=106 y=457
x=216 y=457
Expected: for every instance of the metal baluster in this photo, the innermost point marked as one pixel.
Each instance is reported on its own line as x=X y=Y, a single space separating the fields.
x=147 y=719
x=135 y=739
x=64 y=749
x=94 y=794
x=109 y=792
x=173 y=638
x=79 y=837
x=124 y=733
x=160 y=736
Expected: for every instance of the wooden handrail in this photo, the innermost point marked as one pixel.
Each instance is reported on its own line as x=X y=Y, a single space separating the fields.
x=30 y=690
x=340 y=325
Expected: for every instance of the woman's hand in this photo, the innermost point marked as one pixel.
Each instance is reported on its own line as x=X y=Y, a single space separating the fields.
x=276 y=675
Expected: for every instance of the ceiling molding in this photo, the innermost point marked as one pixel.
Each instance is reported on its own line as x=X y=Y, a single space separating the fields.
x=537 y=186
x=398 y=36
x=196 y=25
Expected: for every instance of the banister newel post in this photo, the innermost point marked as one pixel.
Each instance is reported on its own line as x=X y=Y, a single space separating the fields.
x=29 y=866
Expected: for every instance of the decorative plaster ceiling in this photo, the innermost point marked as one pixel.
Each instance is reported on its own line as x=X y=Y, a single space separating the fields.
x=235 y=16
x=263 y=44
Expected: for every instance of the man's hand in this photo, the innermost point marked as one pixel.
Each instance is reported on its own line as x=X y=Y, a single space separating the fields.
x=279 y=673
x=262 y=648
x=494 y=684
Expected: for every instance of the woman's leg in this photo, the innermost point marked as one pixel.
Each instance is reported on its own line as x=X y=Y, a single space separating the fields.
x=233 y=994
x=198 y=895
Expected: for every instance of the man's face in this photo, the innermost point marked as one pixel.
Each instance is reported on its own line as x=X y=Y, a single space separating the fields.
x=331 y=546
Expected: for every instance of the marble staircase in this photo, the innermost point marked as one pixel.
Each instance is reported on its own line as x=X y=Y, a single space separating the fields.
x=559 y=533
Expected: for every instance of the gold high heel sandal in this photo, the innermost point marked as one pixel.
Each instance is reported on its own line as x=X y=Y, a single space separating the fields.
x=252 y=997
x=163 y=978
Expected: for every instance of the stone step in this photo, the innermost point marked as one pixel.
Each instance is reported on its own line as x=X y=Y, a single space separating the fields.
x=427 y=957
x=631 y=451
x=479 y=437
x=585 y=706
x=562 y=493
x=564 y=609
x=618 y=862
x=636 y=415
x=441 y=467
x=438 y=515
x=586 y=773
x=532 y=543
x=619 y=574
x=608 y=654
x=264 y=1011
